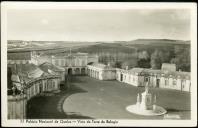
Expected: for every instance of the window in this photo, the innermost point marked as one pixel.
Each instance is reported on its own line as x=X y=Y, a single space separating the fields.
x=77 y=62
x=183 y=84
x=32 y=90
x=83 y=62
x=146 y=79
x=166 y=82
x=53 y=84
x=36 y=88
x=72 y=62
x=174 y=82
x=45 y=86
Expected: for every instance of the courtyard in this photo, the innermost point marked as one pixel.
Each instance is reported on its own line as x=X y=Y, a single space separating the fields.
x=91 y=98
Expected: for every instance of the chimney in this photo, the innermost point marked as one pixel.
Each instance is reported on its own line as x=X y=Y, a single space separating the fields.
x=127 y=67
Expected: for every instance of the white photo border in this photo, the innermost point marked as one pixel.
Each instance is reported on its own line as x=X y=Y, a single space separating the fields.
x=100 y=5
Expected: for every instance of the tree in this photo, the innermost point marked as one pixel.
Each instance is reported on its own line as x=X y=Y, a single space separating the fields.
x=156 y=59
x=143 y=55
x=143 y=59
x=130 y=63
x=182 y=58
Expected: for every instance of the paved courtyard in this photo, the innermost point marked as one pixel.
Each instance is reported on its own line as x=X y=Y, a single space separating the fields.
x=91 y=98
x=108 y=99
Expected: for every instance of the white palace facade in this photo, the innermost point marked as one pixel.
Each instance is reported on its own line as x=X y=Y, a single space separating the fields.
x=165 y=78
x=101 y=71
x=75 y=63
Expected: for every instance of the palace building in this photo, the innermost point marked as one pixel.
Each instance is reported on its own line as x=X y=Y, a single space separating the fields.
x=22 y=57
x=165 y=78
x=101 y=71
x=30 y=81
x=75 y=63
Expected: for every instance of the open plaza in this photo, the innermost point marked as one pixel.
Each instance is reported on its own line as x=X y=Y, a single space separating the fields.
x=89 y=98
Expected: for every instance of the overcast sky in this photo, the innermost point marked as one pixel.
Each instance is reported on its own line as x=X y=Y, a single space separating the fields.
x=97 y=25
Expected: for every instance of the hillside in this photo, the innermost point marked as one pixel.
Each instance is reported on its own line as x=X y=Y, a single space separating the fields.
x=157 y=41
x=132 y=46
x=144 y=53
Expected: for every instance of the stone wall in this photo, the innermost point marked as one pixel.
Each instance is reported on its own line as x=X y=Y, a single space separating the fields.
x=17 y=106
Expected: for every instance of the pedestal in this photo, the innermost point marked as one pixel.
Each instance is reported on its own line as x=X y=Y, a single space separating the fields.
x=146 y=103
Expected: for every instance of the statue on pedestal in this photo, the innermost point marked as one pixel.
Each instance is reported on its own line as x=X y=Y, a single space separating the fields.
x=146 y=103
x=154 y=102
x=138 y=100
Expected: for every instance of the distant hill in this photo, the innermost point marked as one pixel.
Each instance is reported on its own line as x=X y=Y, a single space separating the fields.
x=134 y=45
x=97 y=47
x=19 y=45
x=157 y=41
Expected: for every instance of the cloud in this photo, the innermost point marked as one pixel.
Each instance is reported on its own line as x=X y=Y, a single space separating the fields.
x=99 y=24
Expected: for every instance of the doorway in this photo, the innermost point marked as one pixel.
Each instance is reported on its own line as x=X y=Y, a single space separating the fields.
x=121 y=77
x=83 y=71
x=157 y=83
x=40 y=88
x=70 y=71
x=77 y=71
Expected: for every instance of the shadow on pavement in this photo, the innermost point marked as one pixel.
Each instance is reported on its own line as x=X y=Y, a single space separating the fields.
x=175 y=110
x=45 y=107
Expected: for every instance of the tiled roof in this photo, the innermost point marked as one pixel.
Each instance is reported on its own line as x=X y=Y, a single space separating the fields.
x=15 y=78
x=136 y=70
x=19 y=55
x=152 y=71
x=48 y=66
x=35 y=73
x=100 y=65
x=169 y=67
x=164 y=73
x=30 y=70
x=79 y=54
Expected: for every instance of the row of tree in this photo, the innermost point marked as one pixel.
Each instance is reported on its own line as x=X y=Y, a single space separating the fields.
x=179 y=55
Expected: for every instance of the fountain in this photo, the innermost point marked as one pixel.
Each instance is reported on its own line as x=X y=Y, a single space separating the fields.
x=146 y=105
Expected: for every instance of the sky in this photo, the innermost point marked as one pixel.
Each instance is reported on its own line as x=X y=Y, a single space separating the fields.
x=97 y=25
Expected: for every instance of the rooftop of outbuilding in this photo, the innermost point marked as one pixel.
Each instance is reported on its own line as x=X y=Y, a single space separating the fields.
x=165 y=73
x=100 y=65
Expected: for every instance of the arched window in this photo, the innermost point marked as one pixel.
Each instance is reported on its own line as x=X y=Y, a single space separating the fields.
x=174 y=82
x=40 y=87
x=53 y=84
x=36 y=88
x=45 y=86
x=32 y=90
x=166 y=82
